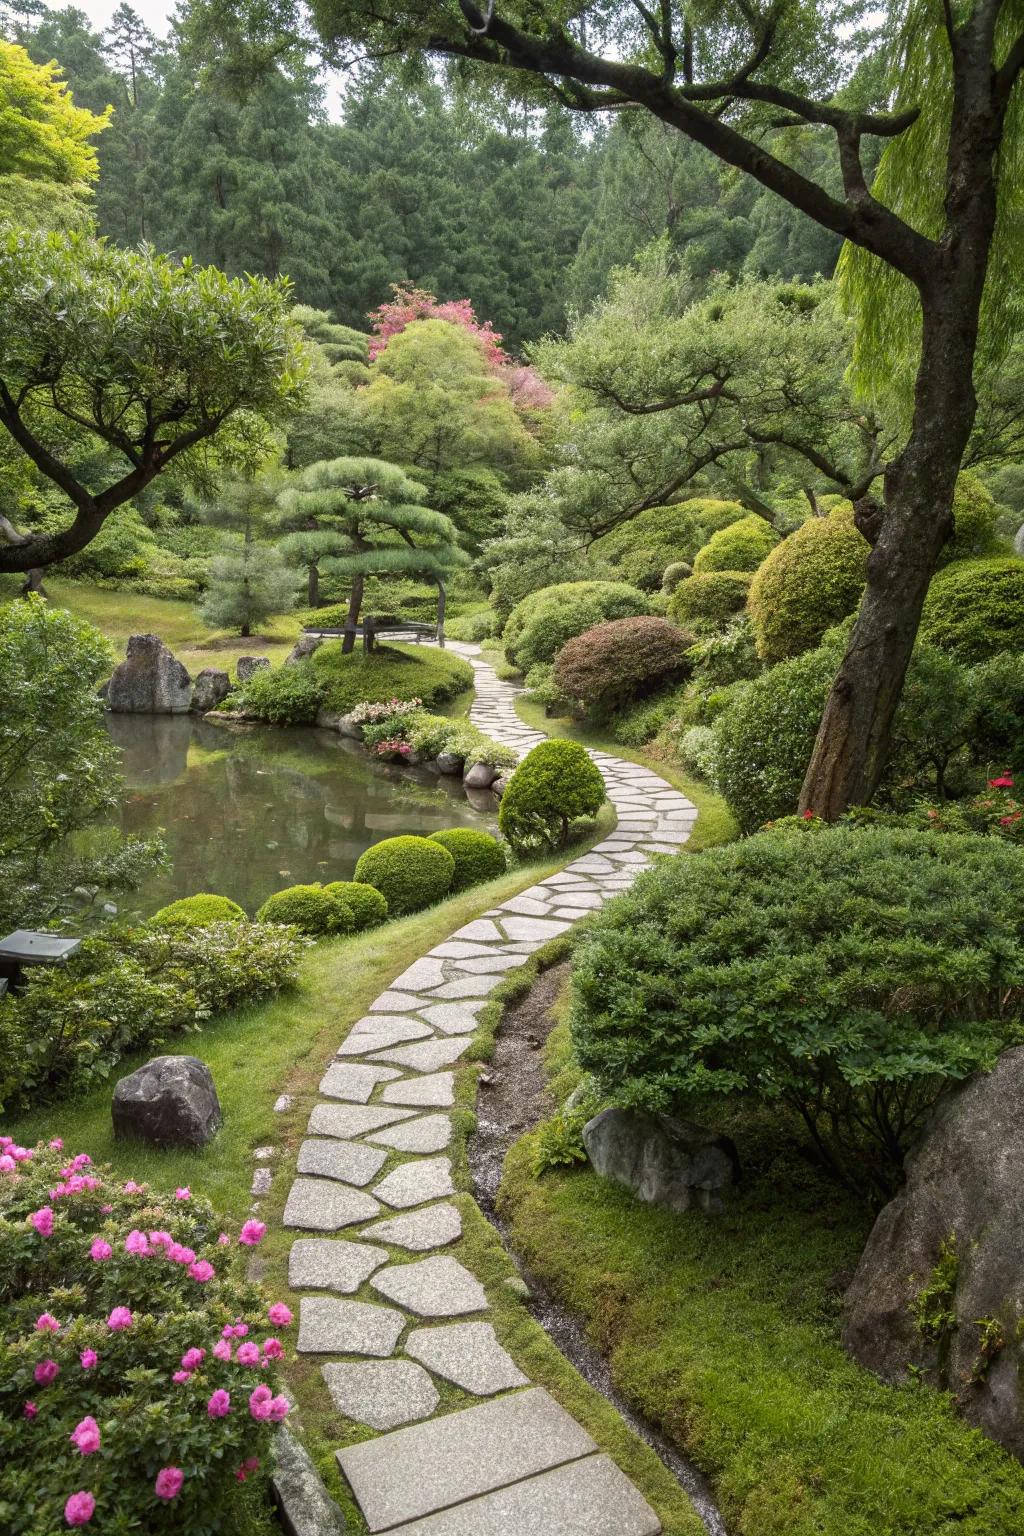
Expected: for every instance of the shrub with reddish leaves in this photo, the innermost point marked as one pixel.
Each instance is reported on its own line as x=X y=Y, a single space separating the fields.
x=138 y=1376
x=614 y=663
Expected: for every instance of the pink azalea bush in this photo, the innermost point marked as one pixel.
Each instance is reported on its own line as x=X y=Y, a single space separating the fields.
x=138 y=1372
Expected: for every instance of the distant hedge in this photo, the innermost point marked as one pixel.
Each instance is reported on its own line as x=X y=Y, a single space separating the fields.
x=331 y=681
x=540 y=625
x=740 y=546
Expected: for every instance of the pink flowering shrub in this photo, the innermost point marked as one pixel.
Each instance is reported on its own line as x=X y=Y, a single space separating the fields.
x=138 y=1371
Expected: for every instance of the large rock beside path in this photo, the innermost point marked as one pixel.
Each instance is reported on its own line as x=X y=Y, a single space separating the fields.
x=150 y=681
x=940 y=1284
x=664 y=1161
x=245 y=666
x=171 y=1102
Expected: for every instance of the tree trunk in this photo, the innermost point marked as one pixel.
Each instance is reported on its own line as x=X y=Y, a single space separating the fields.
x=355 y=602
x=246 y=630
x=34 y=582
x=313 y=585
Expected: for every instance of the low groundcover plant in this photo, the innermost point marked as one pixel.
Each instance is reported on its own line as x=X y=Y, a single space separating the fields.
x=138 y=1372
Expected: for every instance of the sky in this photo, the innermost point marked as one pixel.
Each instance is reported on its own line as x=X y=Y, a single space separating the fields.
x=155 y=13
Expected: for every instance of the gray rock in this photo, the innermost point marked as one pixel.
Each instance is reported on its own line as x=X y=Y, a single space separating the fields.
x=1018 y=541
x=332 y=1264
x=348 y=1120
x=436 y=1091
x=351 y=1161
x=468 y=1354
x=449 y=763
x=500 y=784
x=430 y=1133
x=431 y=1227
x=664 y=1162
x=480 y=776
x=171 y=1102
x=328 y=720
x=965 y=1188
x=428 y=1178
x=348 y=727
x=321 y=1205
x=436 y=1287
x=245 y=666
x=428 y=1056
x=261 y=1181
x=301 y=1498
x=150 y=681
x=209 y=690
x=304 y=646
x=381 y=1393
x=343 y=1080
x=329 y=1326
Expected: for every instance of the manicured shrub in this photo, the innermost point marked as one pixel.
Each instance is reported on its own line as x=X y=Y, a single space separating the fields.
x=997 y=689
x=555 y=785
x=673 y=574
x=975 y=515
x=128 y=1398
x=540 y=625
x=197 y=911
x=614 y=663
x=848 y=975
x=312 y=909
x=639 y=550
x=283 y=696
x=975 y=608
x=472 y=627
x=640 y=722
x=410 y=872
x=710 y=514
x=739 y=547
x=698 y=750
x=331 y=681
x=729 y=657
x=707 y=603
x=478 y=856
x=807 y=584
x=363 y=905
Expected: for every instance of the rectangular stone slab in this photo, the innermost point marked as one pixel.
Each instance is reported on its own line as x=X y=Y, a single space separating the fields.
x=347 y=1120
x=428 y=1467
x=352 y=1161
x=585 y=1498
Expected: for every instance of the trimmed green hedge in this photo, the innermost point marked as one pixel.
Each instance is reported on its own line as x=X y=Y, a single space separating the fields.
x=306 y=907
x=197 y=911
x=478 y=856
x=707 y=603
x=739 y=547
x=331 y=681
x=639 y=550
x=540 y=625
x=410 y=872
x=612 y=664
x=807 y=584
x=975 y=608
x=555 y=785
x=364 y=906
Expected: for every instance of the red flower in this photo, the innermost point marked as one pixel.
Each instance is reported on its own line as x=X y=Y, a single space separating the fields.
x=808 y=815
x=1005 y=782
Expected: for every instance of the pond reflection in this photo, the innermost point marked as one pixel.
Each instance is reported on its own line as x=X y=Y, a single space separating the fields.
x=245 y=812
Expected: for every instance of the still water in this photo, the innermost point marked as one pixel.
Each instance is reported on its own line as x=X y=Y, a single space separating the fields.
x=246 y=812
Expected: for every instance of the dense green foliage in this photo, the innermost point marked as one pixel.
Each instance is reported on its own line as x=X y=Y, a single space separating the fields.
x=555 y=785
x=739 y=546
x=974 y=522
x=478 y=856
x=410 y=872
x=807 y=584
x=638 y=551
x=197 y=911
x=334 y=682
x=364 y=906
x=315 y=909
x=615 y=663
x=975 y=608
x=707 y=603
x=846 y=974
x=542 y=623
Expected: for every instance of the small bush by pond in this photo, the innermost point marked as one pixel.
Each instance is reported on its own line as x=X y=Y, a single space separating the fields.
x=478 y=856
x=410 y=872
x=331 y=681
x=345 y=906
x=198 y=911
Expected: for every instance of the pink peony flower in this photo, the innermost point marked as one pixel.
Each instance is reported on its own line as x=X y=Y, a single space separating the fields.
x=222 y=1350
x=100 y=1251
x=131 y=1188
x=85 y=1436
x=46 y=1372
x=47 y=1323
x=119 y=1319
x=253 y=1232
x=202 y=1271
x=278 y=1409
x=136 y=1242
x=251 y=1464
x=42 y=1220
x=179 y=1255
x=181 y=1377
x=20 y=1154
x=240 y=1330
x=184 y=1193
x=160 y=1240
x=248 y=1354
x=30 y=1410
x=7 y=1163
x=273 y=1349
x=79 y=1508
x=57 y=1144
x=88 y=1359
x=223 y=1240
x=106 y=1209
x=192 y=1359
x=82 y=1160
x=219 y=1405
x=259 y=1402
x=168 y=1483
x=279 y=1314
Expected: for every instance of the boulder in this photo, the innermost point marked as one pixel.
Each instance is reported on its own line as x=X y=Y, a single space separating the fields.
x=304 y=646
x=1018 y=541
x=940 y=1284
x=171 y=1102
x=501 y=783
x=664 y=1161
x=449 y=763
x=480 y=776
x=245 y=666
x=210 y=688
x=150 y=681
x=350 y=728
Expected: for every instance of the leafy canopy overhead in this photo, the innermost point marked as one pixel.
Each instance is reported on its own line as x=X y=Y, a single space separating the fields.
x=43 y=135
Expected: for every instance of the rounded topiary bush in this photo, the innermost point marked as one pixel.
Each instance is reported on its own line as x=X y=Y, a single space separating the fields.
x=364 y=905
x=821 y=969
x=639 y=550
x=310 y=908
x=975 y=515
x=707 y=603
x=540 y=625
x=975 y=608
x=555 y=785
x=710 y=513
x=610 y=665
x=197 y=911
x=478 y=856
x=678 y=571
x=807 y=584
x=410 y=872
x=738 y=547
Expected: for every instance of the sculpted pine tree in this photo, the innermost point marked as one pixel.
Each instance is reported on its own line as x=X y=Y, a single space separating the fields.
x=948 y=194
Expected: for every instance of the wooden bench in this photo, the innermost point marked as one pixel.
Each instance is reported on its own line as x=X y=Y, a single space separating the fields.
x=373 y=629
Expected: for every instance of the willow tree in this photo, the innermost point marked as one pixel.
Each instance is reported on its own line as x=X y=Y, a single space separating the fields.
x=355 y=518
x=947 y=198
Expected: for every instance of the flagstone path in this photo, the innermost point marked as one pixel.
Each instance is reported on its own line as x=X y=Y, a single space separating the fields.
x=516 y=1462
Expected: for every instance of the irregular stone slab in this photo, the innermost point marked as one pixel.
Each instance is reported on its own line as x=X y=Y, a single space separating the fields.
x=590 y=864
x=347 y=1120
x=430 y=1133
x=306 y=1509
x=261 y=1181
x=581 y=899
x=439 y=1287
x=382 y=1393
x=530 y=906
x=426 y=1179
x=457 y=949
x=467 y=986
x=396 y=1027
x=480 y=929
x=422 y=973
x=431 y=1227
x=394 y=1002
x=539 y=928
x=328 y=1326
x=417 y=1471
x=332 y=1264
x=437 y=1091
x=352 y=1161
x=427 y=1057
x=495 y=962
x=354 y=1083
x=468 y=1354
x=452 y=1019
x=322 y=1206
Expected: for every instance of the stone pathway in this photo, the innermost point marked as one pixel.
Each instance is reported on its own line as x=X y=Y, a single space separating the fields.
x=515 y=1462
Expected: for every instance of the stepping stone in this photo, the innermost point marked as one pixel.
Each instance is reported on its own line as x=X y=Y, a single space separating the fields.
x=328 y=1326
x=341 y=1081
x=428 y=1178
x=359 y=1043
x=539 y=928
x=416 y=1471
x=431 y=1227
x=658 y=847
x=384 y=1023
x=322 y=1206
x=438 y=1287
x=468 y=1354
x=393 y=1002
x=426 y=1057
x=468 y=986
x=351 y=1161
x=381 y=1393
x=590 y=865
x=451 y=1018
x=457 y=949
x=570 y=914
x=434 y=1091
x=347 y=1120
x=430 y=1133
x=581 y=899
x=332 y=1264
x=480 y=929
x=422 y=973
x=529 y=905
x=495 y=962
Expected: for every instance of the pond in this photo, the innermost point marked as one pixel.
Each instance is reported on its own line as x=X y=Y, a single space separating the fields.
x=246 y=812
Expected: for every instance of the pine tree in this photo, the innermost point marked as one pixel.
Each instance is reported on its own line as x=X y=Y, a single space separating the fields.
x=249 y=580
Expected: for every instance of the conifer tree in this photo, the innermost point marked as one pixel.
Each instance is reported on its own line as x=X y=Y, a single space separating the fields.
x=249 y=580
